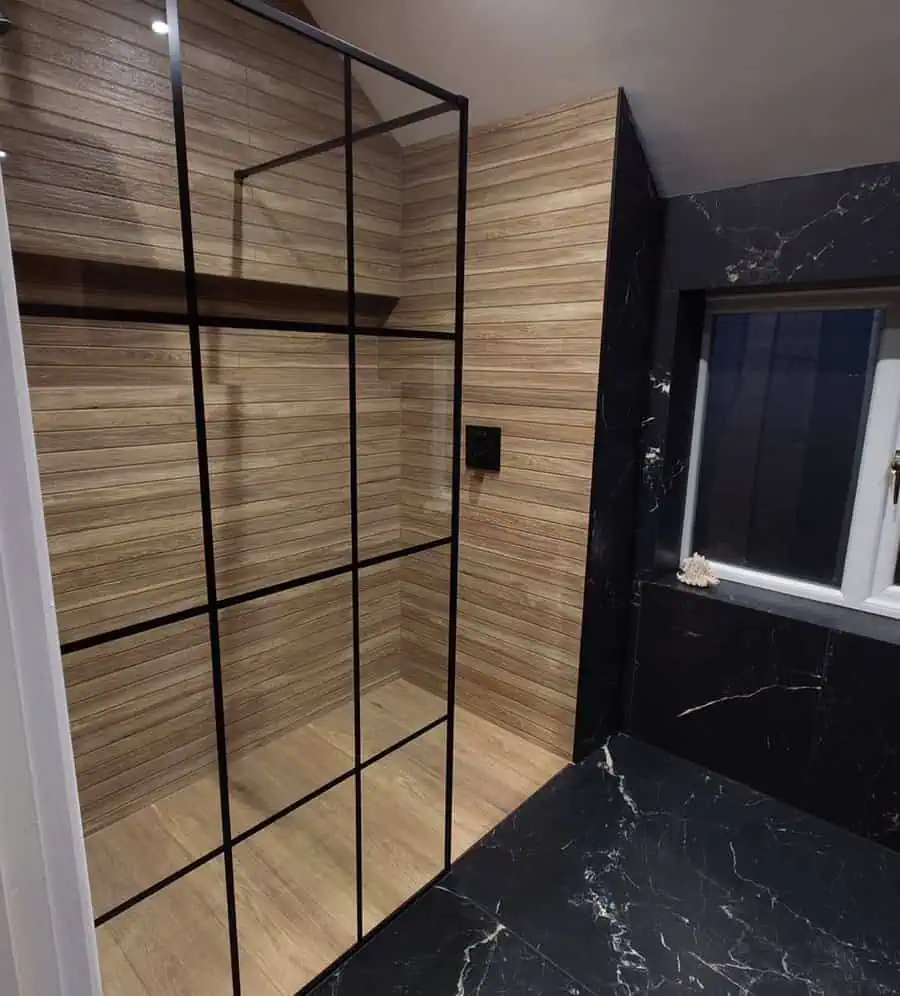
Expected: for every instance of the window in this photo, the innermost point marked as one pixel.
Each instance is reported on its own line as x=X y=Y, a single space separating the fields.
x=796 y=427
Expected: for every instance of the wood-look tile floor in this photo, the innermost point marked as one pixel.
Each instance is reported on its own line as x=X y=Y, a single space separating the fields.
x=295 y=880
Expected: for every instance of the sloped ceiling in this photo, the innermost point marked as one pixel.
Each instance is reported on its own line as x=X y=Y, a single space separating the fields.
x=724 y=92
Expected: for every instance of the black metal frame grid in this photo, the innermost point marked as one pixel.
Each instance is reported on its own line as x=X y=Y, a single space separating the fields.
x=194 y=320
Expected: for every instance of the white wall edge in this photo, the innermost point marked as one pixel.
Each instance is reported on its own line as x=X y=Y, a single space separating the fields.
x=46 y=920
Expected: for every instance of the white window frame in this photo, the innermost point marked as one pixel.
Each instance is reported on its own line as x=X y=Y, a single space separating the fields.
x=874 y=537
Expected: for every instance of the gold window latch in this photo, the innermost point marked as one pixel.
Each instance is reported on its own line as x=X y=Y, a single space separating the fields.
x=894 y=467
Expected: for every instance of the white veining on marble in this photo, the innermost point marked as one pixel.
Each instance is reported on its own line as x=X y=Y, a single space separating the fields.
x=490 y=938
x=747 y=695
x=650 y=877
x=603 y=908
x=608 y=765
x=766 y=259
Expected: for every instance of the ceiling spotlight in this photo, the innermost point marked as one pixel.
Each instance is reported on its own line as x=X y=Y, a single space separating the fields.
x=160 y=28
x=2 y=154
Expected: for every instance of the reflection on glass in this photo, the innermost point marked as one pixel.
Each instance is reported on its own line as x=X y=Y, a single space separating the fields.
x=427 y=438
x=403 y=824
x=786 y=400
x=295 y=885
x=379 y=415
x=143 y=732
x=89 y=170
x=405 y=434
x=279 y=452
x=404 y=212
x=175 y=943
x=403 y=646
x=255 y=93
x=118 y=460
x=288 y=678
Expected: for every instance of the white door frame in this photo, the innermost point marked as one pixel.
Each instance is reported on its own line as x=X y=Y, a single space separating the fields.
x=47 y=941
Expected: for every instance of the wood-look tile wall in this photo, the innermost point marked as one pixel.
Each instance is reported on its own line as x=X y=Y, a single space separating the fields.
x=117 y=451
x=87 y=123
x=91 y=176
x=539 y=192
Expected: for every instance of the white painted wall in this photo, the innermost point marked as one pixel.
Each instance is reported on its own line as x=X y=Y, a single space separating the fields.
x=724 y=93
x=9 y=981
x=47 y=940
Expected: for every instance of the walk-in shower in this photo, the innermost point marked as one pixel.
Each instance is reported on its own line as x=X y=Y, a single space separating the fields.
x=249 y=439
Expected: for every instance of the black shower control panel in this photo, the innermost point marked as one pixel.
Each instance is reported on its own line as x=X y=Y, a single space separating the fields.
x=483 y=447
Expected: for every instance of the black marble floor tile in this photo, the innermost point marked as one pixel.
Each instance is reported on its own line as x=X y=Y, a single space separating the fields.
x=444 y=945
x=638 y=872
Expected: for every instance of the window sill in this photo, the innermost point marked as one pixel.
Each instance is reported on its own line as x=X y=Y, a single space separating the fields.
x=838 y=617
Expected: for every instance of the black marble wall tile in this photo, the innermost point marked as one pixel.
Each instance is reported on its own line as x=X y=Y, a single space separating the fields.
x=831 y=750
x=796 y=709
x=854 y=772
x=722 y=680
x=843 y=225
x=828 y=230
x=635 y=239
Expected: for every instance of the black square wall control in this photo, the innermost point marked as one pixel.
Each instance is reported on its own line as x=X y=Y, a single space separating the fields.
x=483 y=447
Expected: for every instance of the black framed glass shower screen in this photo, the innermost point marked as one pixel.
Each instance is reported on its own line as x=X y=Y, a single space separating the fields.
x=289 y=490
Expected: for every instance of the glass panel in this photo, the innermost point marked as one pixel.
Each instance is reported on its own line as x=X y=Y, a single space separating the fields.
x=143 y=732
x=396 y=215
x=255 y=92
x=174 y=942
x=288 y=674
x=405 y=431
x=404 y=620
x=114 y=425
x=295 y=884
x=427 y=292
x=403 y=824
x=279 y=447
x=427 y=435
x=786 y=408
x=90 y=168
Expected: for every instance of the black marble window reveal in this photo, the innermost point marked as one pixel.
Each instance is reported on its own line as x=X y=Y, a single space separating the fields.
x=786 y=406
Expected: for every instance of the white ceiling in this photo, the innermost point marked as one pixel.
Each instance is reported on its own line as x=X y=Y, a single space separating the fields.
x=724 y=92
